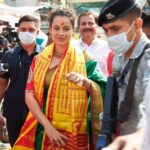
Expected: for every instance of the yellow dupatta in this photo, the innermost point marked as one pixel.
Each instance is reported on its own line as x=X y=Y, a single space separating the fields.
x=66 y=102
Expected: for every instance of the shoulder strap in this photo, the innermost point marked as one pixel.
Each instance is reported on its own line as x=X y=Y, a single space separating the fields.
x=126 y=105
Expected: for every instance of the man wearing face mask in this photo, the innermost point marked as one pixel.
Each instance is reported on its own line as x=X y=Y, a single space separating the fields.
x=121 y=20
x=13 y=83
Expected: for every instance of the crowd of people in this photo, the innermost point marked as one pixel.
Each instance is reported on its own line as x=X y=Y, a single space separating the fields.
x=52 y=95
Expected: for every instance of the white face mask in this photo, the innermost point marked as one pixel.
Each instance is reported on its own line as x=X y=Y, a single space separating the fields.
x=27 y=38
x=119 y=43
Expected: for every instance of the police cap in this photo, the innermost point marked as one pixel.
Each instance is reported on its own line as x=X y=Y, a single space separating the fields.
x=114 y=9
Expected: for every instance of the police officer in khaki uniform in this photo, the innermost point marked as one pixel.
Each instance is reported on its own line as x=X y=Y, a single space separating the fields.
x=121 y=20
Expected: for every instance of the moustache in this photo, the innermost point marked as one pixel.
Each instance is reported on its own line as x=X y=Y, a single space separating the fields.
x=87 y=29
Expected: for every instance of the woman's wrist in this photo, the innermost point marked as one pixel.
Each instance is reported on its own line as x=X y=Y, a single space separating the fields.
x=45 y=122
x=86 y=83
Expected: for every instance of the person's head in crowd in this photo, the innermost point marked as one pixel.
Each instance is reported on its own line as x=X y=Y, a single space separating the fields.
x=28 y=29
x=146 y=22
x=121 y=20
x=62 y=25
x=87 y=23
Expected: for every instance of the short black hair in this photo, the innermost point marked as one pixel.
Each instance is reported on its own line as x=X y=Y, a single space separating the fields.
x=133 y=14
x=64 y=12
x=29 y=18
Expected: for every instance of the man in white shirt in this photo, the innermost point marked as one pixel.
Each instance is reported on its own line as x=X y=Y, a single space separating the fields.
x=98 y=48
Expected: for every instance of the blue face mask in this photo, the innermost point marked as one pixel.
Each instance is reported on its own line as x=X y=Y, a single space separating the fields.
x=119 y=43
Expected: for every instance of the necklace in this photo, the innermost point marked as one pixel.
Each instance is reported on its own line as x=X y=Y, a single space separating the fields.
x=57 y=55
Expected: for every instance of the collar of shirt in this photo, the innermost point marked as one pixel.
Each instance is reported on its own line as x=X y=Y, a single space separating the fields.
x=85 y=45
x=89 y=48
x=139 y=47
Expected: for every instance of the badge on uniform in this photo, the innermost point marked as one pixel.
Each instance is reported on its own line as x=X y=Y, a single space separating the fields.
x=109 y=16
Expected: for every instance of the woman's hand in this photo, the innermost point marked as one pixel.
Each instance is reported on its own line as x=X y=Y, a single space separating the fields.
x=79 y=79
x=75 y=77
x=55 y=137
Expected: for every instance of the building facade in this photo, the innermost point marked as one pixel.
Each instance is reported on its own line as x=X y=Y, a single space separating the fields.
x=20 y=3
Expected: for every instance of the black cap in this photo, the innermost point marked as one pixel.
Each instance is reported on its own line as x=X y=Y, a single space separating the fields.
x=114 y=9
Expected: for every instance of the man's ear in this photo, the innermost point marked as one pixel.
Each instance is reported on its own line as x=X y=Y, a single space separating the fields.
x=138 y=24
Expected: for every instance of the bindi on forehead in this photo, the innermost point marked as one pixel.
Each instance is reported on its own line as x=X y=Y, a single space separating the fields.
x=62 y=23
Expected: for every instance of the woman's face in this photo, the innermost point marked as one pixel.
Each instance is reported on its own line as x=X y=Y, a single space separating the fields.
x=61 y=30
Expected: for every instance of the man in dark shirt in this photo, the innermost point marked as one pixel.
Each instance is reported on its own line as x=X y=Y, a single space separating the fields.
x=13 y=83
